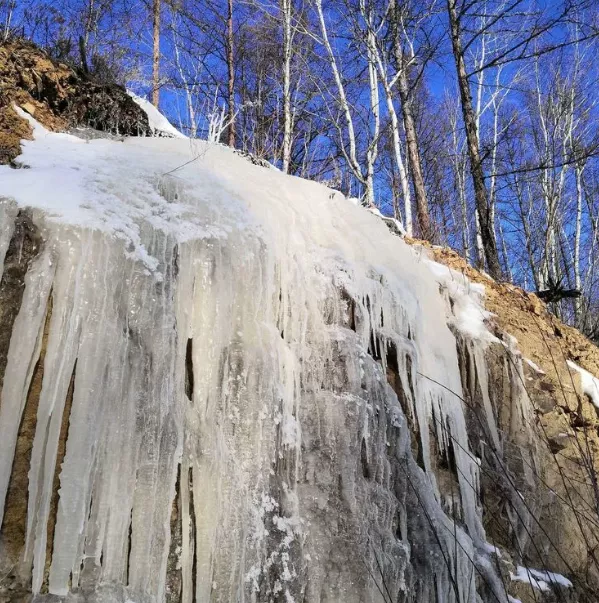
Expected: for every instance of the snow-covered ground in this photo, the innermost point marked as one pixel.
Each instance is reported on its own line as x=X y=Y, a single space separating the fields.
x=159 y=125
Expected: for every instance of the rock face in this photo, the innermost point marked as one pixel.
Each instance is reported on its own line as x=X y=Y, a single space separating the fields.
x=222 y=384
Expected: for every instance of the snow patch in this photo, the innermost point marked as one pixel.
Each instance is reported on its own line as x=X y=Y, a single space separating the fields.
x=159 y=124
x=589 y=383
x=540 y=579
x=467 y=300
x=394 y=225
x=116 y=187
x=491 y=549
x=533 y=366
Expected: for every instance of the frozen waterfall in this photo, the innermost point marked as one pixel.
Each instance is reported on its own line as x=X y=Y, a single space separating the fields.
x=242 y=381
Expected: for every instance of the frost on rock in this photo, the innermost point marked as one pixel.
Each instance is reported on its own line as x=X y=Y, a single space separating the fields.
x=540 y=579
x=244 y=381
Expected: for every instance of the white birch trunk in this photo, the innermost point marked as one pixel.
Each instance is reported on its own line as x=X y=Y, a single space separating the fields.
x=287 y=115
x=351 y=135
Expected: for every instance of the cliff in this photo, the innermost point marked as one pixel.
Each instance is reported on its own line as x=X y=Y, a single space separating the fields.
x=220 y=383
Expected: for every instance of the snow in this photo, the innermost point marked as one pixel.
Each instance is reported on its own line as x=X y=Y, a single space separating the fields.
x=540 y=579
x=396 y=226
x=468 y=304
x=166 y=253
x=159 y=125
x=491 y=549
x=588 y=382
x=534 y=366
x=112 y=186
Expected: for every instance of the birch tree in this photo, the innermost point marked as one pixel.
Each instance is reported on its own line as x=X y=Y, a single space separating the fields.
x=472 y=136
x=388 y=81
x=287 y=16
x=363 y=173
x=7 y=8
x=230 y=43
x=405 y=61
x=156 y=6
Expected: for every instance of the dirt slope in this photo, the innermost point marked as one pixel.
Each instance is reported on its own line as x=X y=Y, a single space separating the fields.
x=59 y=98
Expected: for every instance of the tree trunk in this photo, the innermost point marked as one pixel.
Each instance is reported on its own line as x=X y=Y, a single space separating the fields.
x=577 y=237
x=156 y=54
x=415 y=166
x=372 y=152
x=406 y=97
x=83 y=55
x=231 y=70
x=287 y=125
x=403 y=175
x=476 y=168
x=351 y=134
x=11 y=8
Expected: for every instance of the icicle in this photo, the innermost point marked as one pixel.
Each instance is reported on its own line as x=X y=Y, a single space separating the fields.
x=23 y=354
x=61 y=354
x=8 y=213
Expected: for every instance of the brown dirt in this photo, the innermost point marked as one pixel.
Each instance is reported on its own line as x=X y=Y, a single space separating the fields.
x=13 y=129
x=59 y=98
x=542 y=337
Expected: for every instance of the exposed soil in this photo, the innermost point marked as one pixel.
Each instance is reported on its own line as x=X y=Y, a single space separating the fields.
x=542 y=337
x=59 y=98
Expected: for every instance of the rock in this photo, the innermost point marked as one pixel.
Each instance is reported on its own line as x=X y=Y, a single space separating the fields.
x=29 y=107
x=558 y=442
x=535 y=305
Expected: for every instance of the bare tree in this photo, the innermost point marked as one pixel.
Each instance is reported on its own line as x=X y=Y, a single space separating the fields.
x=349 y=149
x=231 y=73
x=7 y=8
x=403 y=49
x=286 y=14
x=156 y=52
x=476 y=166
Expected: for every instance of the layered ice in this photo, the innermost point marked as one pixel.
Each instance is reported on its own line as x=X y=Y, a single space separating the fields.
x=255 y=375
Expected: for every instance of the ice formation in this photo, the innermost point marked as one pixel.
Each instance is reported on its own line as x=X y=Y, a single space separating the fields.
x=589 y=383
x=159 y=125
x=251 y=375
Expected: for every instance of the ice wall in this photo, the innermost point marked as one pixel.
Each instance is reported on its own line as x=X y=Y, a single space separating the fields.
x=245 y=379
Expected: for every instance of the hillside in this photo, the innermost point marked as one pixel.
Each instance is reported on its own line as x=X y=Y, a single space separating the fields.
x=221 y=383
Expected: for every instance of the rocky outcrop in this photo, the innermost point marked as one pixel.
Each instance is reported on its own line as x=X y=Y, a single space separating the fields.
x=550 y=437
x=59 y=98
x=535 y=497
